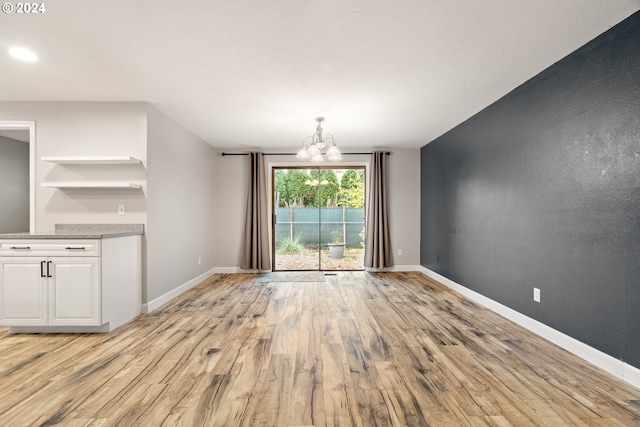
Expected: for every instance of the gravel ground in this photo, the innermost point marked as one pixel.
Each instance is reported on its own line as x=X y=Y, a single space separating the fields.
x=308 y=260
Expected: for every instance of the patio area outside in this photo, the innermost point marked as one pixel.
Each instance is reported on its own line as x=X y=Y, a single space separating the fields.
x=307 y=259
x=319 y=218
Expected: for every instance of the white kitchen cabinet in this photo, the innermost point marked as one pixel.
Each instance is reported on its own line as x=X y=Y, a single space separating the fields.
x=74 y=297
x=23 y=291
x=50 y=291
x=69 y=286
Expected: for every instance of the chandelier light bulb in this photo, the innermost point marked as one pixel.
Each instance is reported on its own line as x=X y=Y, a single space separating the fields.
x=303 y=154
x=313 y=150
x=333 y=153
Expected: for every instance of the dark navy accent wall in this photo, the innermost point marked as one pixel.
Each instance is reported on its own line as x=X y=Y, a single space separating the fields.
x=542 y=189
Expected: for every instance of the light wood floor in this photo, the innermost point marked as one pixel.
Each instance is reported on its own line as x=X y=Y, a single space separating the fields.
x=357 y=350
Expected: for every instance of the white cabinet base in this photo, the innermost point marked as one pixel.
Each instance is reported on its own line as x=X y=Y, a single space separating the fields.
x=43 y=291
x=59 y=329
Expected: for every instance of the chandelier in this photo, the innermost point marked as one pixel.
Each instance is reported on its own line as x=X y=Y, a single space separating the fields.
x=318 y=142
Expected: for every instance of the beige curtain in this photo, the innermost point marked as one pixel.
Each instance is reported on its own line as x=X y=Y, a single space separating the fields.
x=255 y=252
x=377 y=252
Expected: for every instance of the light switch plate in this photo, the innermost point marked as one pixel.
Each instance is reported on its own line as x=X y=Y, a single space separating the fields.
x=536 y=294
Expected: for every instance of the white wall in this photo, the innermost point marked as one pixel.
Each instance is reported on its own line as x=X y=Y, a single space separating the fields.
x=404 y=202
x=85 y=128
x=232 y=180
x=404 y=205
x=181 y=201
x=193 y=200
x=178 y=205
x=14 y=190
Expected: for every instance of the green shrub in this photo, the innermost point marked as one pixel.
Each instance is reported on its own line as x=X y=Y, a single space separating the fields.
x=291 y=245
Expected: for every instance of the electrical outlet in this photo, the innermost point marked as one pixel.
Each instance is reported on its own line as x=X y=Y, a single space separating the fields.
x=199 y=260
x=121 y=210
x=399 y=252
x=536 y=294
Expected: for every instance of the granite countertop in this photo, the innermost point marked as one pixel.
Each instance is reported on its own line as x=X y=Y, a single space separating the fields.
x=81 y=231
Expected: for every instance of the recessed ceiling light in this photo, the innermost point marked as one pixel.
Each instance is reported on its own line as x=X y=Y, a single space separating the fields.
x=23 y=54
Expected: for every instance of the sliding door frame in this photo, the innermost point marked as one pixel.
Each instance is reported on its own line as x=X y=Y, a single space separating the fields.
x=272 y=167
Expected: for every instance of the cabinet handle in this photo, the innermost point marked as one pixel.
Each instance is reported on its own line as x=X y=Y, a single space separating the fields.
x=81 y=248
x=49 y=265
x=42 y=269
x=21 y=248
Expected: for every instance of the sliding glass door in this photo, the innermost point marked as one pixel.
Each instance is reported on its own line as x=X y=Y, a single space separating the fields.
x=318 y=218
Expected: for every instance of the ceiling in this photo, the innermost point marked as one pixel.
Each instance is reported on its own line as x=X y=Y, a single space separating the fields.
x=255 y=73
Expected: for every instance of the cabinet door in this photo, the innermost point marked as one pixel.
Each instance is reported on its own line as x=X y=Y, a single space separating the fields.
x=74 y=291
x=23 y=292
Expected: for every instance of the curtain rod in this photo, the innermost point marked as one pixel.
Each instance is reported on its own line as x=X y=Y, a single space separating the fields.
x=292 y=154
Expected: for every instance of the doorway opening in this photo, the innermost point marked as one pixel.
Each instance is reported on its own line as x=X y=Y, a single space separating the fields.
x=17 y=200
x=318 y=218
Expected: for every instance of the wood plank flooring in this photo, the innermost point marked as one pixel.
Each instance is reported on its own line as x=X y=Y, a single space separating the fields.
x=383 y=349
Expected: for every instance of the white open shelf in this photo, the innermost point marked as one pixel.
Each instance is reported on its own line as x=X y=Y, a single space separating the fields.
x=91 y=160
x=91 y=184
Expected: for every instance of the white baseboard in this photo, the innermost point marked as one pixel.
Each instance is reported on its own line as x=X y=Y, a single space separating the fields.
x=228 y=270
x=234 y=270
x=394 y=268
x=602 y=360
x=163 y=299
